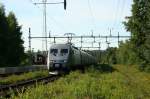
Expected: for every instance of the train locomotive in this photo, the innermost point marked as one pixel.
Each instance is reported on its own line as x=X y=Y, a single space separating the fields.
x=65 y=57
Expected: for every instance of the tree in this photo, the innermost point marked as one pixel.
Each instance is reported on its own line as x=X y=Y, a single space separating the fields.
x=15 y=48
x=11 y=44
x=139 y=26
x=3 y=33
x=126 y=55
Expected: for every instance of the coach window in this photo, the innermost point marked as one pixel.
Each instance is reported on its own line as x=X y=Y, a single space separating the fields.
x=54 y=51
x=64 y=51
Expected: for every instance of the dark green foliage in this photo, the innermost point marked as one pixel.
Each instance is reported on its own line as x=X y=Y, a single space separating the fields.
x=111 y=55
x=16 y=50
x=108 y=56
x=103 y=68
x=126 y=54
x=3 y=33
x=26 y=59
x=11 y=44
x=139 y=26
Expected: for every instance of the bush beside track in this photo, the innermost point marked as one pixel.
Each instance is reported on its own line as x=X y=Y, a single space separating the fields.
x=102 y=82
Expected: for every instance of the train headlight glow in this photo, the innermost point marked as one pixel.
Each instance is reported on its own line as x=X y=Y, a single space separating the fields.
x=65 y=61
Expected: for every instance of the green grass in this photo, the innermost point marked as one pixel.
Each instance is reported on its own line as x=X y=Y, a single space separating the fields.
x=16 y=78
x=104 y=82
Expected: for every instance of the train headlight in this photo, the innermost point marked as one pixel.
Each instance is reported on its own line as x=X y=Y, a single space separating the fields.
x=65 y=61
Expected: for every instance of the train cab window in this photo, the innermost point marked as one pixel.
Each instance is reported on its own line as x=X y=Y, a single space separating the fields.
x=54 y=51
x=64 y=51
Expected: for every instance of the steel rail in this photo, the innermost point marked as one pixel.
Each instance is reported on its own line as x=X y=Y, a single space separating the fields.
x=4 y=89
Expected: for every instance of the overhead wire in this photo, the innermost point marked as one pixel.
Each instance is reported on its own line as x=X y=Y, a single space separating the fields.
x=122 y=12
x=119 y=19
x=56 y=23
x=119 y=13
x=90 y=8
x=92 y=15
x=119 y=24
x=116 y=13
x=54 y=20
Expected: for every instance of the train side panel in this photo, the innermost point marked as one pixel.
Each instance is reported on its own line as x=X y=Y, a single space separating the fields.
x=74 y=58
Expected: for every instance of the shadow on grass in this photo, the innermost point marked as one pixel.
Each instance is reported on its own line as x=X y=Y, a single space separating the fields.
x=104 y=68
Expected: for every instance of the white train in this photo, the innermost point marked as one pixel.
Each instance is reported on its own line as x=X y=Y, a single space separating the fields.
x=65 y=57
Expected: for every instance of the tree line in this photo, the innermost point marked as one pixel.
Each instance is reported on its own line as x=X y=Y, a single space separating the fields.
x=135 y=51
x=11 y=44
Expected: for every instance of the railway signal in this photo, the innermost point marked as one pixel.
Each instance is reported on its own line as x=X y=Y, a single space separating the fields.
x=44 y=3
x=65 y=4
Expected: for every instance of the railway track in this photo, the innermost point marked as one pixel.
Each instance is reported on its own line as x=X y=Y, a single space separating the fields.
x=5 y=89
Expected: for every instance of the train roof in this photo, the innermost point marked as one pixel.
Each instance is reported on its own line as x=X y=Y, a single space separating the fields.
x=60 y=45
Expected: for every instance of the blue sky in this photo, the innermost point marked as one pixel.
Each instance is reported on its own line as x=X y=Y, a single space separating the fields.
x=80 y=18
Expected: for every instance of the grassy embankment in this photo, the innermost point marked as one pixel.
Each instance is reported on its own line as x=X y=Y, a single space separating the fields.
x=122 y=82
x=16 y=78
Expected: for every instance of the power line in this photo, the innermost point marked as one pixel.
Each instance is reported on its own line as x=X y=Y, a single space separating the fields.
x=58 y=24
x=122 y=10
x=116 y=14
x=91 y=13
x=44 y=3
x=123 y=7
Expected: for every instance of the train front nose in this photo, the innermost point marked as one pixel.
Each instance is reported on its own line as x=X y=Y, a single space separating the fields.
x=58 y=59
x=57 y=64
